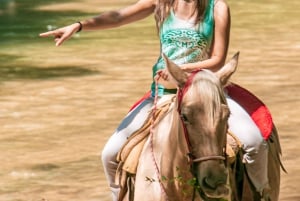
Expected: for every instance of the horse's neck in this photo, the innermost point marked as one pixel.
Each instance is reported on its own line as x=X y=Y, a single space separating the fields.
x=172 y=152
x=165 y=155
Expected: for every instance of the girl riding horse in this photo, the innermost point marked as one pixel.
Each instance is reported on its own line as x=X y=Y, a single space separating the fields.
x=195 y=35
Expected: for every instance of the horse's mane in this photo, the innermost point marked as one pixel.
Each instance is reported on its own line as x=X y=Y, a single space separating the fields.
x=207 y=87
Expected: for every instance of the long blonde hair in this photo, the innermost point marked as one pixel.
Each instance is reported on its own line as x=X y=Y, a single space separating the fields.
x=163 y=8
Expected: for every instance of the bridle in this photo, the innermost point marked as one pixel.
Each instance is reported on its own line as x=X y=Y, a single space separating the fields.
x=180 y=94
x=194 y=159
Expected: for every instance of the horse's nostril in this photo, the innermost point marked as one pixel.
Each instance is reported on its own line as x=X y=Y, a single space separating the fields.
x=213 y=183
x=209 y=183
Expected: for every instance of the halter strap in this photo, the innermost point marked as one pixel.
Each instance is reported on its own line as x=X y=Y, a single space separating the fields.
x=181 y=92
x=206 y=158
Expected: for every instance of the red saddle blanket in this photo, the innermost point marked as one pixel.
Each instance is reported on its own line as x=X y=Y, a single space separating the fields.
x=255 y=108
x=252 y=104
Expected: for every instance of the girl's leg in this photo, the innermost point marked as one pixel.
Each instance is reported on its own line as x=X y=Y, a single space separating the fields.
x=254 y=146
x=132 y=122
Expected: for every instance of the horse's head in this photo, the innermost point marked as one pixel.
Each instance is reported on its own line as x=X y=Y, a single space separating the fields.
x=204 y=111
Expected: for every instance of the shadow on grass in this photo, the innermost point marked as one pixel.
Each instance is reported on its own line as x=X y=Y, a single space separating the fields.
x=10 y=73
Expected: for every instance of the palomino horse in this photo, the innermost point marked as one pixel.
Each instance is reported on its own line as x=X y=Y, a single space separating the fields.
x=183 y=158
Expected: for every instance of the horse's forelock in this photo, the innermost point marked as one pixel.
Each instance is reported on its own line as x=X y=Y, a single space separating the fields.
x=207 y=87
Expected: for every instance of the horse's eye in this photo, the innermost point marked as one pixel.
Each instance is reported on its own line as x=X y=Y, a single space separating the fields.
x=184 y=118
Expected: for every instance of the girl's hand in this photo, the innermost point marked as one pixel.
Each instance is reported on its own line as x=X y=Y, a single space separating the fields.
x=62 y=34
x=163 y=74
x=163 y=77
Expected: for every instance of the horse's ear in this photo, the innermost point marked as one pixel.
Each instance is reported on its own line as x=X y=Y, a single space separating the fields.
x=179 y=76
x=228 y=69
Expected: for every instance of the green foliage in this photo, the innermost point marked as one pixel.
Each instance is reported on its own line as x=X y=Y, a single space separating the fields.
x=188 y=185
x=22 y=22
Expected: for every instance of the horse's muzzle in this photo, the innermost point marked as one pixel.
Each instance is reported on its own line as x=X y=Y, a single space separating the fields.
x=220 y=191
x=212 y=178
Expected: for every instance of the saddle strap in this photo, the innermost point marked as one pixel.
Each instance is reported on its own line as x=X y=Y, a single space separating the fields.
x=129 y=154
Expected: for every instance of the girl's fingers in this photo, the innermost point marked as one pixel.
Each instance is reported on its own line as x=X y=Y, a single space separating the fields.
x=158 y=75
x=59 y=42
x=165 y=77
x=49 y=33
x=61 y=39
x=162 y=74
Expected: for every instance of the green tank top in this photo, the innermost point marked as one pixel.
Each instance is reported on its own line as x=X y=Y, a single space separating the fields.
x=184 y=41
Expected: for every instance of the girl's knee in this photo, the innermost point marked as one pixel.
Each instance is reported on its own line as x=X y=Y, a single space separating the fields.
x=256 y=143
x=255 y=150
x=108 y=156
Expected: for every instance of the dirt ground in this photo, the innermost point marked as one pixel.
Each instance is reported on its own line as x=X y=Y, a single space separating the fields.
x=58 y=106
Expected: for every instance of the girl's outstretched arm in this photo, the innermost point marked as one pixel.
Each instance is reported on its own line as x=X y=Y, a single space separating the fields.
x=106 y=20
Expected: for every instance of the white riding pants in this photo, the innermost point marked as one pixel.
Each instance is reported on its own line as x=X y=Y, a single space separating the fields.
x=131 y=123
x=240 y=123
x=253 y=144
